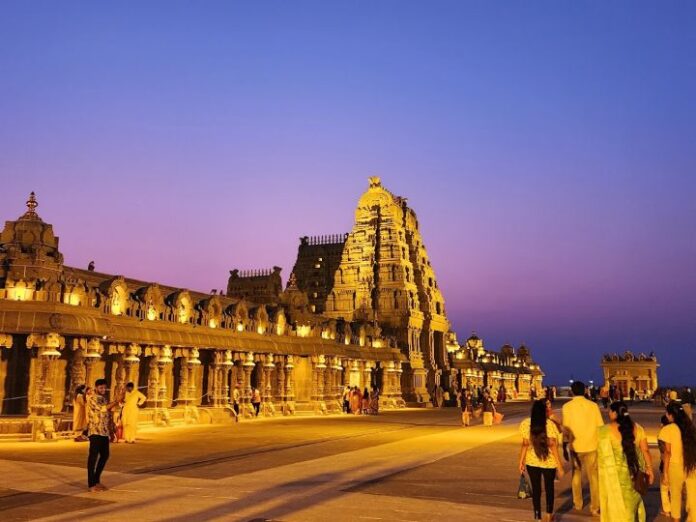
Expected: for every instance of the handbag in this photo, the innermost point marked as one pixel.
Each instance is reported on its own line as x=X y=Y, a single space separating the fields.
x=525 y=489
x=640 y=483
x=497 y=418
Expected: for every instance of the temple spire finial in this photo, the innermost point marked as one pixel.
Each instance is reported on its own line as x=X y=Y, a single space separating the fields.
x=375 y=182
x=31 y=207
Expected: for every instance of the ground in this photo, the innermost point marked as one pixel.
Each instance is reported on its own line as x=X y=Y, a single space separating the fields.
x=407 y=465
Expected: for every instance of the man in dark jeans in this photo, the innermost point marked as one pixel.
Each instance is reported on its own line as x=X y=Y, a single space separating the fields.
x=99 y=432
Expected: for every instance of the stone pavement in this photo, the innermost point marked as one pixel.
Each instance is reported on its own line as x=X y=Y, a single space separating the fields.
x=410 y=465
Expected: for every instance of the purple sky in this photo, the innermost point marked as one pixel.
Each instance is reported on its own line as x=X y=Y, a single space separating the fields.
x=548 y=149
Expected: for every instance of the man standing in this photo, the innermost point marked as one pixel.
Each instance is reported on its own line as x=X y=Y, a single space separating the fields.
x=129 y=416
x=582 y=419
x=99 y=431
x=236 y=399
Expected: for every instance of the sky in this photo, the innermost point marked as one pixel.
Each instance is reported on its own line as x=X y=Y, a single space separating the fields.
x=549 y=149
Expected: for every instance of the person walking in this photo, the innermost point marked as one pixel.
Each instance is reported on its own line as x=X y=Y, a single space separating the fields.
x=132 y=400
x=467 y=404
x=80 y=413
x=99 y=432
x=346 y=399
x=256 y=401
x=666 y=505
x=679 y=437
x=488 y=409
x=539 y=456
x=439 y=396
x=623 y=457
x=236 y=400
x=581 y=417
x=366 y=402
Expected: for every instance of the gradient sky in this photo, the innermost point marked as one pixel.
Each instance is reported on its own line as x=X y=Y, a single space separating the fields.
x=549 y=149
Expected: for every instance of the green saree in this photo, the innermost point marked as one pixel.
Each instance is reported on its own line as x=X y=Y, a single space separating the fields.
x=619 y=502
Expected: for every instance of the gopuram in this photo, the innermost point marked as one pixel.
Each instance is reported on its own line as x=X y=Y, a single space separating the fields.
x=359 y=309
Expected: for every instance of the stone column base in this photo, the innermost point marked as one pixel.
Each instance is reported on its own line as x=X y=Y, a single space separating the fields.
x=416 y=393
x=43 y=428
x=267 y=409
x=288 y=408
x=320 y=407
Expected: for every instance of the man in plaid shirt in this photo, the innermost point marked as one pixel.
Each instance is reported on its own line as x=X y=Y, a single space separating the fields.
x=99 y=432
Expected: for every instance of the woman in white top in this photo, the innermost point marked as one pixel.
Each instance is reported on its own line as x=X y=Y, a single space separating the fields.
x=539 y=456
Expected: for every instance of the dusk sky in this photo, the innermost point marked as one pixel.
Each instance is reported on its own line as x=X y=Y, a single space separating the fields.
x=549 y=149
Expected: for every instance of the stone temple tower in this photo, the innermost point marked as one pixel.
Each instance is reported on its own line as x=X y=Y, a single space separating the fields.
x=385 y=277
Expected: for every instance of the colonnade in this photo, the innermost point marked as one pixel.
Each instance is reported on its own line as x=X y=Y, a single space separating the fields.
x=179 y=382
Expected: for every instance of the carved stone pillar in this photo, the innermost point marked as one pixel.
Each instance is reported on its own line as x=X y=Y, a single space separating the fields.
x=268 y=408
x=153 y=377
x=164 y=364
x=78 y=375
x=387 y=382
x=41 y=401
x=319 y=367
x=88 y=352
x=289 y=408
x=248 y=366
x=131 y=363
x=187 y=396
x=280 y=379
x=221 y=378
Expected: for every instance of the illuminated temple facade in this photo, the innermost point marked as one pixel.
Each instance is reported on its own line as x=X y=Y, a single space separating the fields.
x=629 y=370
x=360 y=309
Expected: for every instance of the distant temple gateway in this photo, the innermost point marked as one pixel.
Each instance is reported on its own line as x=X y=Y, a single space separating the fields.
x=628 y=371
x=360 y=309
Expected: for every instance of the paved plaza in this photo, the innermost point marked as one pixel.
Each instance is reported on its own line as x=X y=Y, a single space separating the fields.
x=408 y=465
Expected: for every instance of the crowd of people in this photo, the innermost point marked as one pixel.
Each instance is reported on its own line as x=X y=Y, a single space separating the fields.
x=123 y=418
x=612 y=458
x=358 y=402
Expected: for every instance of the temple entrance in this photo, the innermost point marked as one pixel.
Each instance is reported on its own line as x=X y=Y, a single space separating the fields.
x=16 y=362
x=439 y=349
x=176 y=381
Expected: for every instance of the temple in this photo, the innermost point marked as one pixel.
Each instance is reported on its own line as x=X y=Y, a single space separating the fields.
x=360 y=309
x=628 y=371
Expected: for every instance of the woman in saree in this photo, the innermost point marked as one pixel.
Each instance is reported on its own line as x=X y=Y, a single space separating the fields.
x=622 y=454
x=355 y=401
x=366 y=402
x=80 y=413
x=374 y=401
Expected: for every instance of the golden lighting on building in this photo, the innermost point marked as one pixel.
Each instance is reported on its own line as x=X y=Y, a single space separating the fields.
x=19 y=293
x=71 y=299
x=304 y=330
x=151 y=313
x=212 y=323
